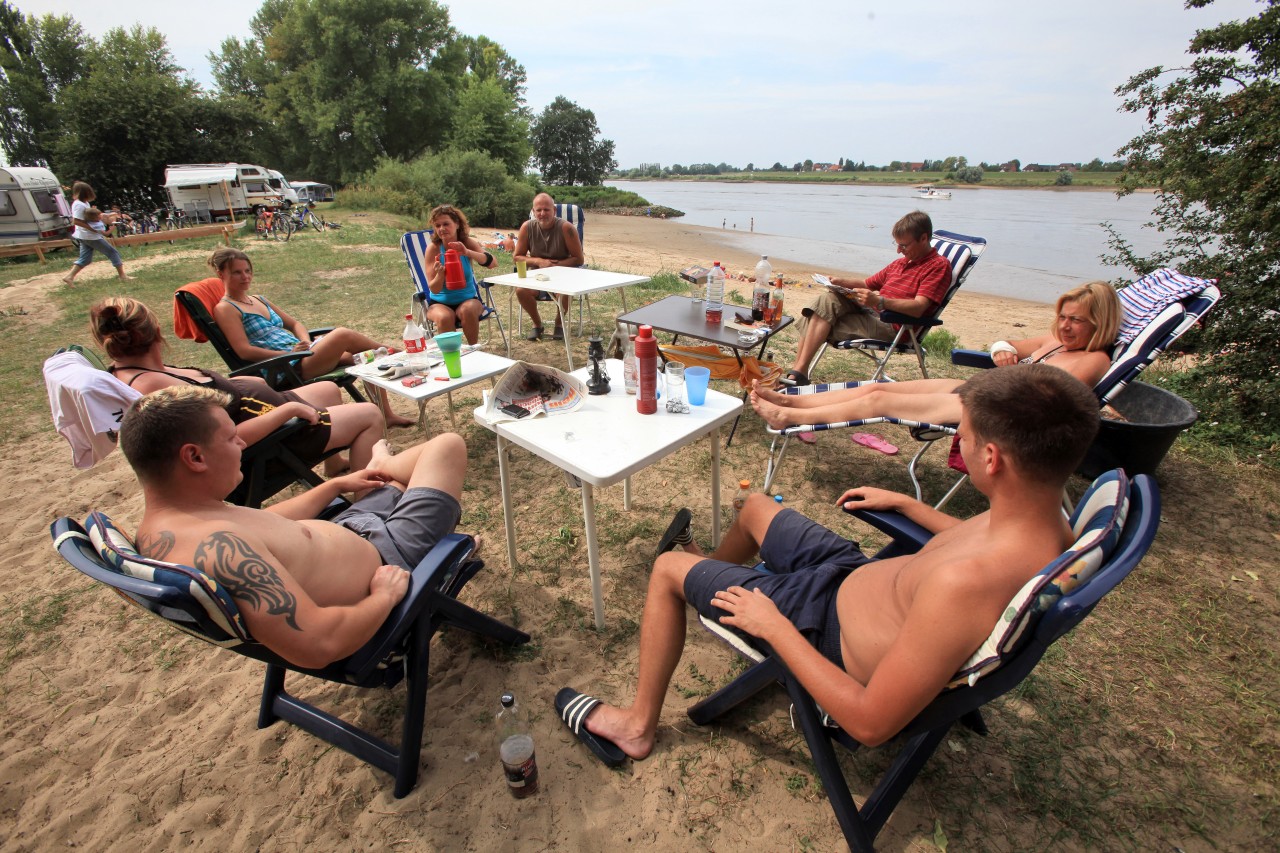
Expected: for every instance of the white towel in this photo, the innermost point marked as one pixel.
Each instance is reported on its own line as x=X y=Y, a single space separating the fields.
x=87 y=405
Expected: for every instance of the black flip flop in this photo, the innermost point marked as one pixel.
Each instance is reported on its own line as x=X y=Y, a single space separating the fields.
x=679 y=525
x=794 y=378
x=574 y=708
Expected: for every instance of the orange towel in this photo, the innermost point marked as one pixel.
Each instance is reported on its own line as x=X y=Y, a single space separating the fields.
x=209 y=291
x=725 y=366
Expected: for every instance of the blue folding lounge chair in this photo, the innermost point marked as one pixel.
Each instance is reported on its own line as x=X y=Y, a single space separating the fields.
x=962 y=252
x=1114 y=526
x=575 y=216
x=416 y=245
x=1158 y=309
x=195 y=604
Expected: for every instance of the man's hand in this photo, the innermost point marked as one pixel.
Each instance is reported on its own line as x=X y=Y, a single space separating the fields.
x=872 y=499
x=390 y=581
x=358 y=481
x=753 y=612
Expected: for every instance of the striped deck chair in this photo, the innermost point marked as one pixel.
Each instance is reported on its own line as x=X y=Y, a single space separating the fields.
x=962 y=252
x=415 y=245
x=1158 y=309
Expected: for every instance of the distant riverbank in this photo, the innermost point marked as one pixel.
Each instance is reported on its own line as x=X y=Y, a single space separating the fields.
x=1090 y=181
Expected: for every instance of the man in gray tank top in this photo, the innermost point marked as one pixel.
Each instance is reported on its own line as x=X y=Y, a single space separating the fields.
x=546 y=241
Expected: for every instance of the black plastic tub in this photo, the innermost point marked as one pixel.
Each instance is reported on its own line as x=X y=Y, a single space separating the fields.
x=1153 y=419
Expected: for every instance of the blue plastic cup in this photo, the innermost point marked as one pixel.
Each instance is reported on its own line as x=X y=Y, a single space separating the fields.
x=695 y=380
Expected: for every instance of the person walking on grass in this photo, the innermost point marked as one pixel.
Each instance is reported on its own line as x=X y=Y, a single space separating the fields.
x=90 y=240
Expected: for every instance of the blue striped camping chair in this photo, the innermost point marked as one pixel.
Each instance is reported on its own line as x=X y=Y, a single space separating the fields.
x=416 y=245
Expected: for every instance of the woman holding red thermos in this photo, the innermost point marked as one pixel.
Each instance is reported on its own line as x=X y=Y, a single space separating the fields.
x=454 y=298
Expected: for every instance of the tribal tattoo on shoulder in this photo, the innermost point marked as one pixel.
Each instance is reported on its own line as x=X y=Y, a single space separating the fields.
x=246 y=575
x=156 y=545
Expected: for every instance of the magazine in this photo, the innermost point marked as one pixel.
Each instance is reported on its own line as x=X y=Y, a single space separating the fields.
x=827 y=283
x=535 y=388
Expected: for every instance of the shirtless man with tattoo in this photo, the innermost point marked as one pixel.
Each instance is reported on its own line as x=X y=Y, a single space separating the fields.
x=874 y=641
x=311 y=591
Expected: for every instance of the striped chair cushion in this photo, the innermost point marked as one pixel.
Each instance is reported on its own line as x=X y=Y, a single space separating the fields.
x=1097 y=524
x=1143 y=300
x=118 y=552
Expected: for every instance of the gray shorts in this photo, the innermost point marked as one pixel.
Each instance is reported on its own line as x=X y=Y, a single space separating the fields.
x=403 y=526
x=848 y=319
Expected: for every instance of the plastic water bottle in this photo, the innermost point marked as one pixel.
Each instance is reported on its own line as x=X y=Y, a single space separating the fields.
x=369 y=356
x=515 y=748
x=647 y=371
x=630 y=370
x=415 y=340
x=760 y=295
x=740 y=499
x=715 y=295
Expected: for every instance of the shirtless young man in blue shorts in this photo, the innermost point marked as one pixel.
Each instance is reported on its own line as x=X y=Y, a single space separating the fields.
x=873 y=641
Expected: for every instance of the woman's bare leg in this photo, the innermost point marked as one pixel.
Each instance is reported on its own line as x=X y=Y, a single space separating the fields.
x=469 y=316
x=939 y=408
x=358 y=425
x=334 y=349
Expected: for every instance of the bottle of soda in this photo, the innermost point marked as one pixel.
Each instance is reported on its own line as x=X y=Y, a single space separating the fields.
x=760 y=294
x=774 y=312
x=415 y=340
x=515 y=748
x=740 y=499
x=715 y=295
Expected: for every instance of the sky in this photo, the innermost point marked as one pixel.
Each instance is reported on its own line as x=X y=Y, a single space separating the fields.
x=675 y=81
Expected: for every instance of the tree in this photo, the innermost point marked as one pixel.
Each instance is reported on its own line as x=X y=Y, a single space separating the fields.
x=972 y=174
x=1064 y=179
x=39 y=59
x=808 y=165
x=487 y=119
x=488 y=60
x=566 y=147
x=1211 y=148
x=347 y=82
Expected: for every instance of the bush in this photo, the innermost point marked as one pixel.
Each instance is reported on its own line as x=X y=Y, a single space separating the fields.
x=470 y=180
x=1063 y=180
x=592 y=197
x=970 y=174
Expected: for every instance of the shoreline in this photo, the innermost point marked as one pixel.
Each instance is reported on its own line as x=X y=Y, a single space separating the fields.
x=939 y=183
x=645 y=246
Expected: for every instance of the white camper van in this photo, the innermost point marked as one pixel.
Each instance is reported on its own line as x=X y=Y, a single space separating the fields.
x=210 y=191
x=281 y=184
x=32 y=206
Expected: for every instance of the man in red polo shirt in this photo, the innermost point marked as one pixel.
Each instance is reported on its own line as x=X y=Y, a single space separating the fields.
x=914 y=284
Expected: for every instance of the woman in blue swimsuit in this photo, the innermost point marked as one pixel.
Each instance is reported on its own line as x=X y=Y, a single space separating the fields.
x=256 y=329
x=450 y=308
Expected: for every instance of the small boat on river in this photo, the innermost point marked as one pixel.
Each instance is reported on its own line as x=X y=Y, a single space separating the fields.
x=930 y=191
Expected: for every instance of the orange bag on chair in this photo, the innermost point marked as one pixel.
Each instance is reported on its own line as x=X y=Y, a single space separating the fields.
x=724 y=366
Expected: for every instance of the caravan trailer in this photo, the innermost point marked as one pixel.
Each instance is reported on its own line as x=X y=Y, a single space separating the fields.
x=215 y=190
x=312 y=191
x=32 y=206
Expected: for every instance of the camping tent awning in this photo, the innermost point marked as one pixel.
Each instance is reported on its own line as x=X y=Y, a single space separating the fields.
x=198 y=177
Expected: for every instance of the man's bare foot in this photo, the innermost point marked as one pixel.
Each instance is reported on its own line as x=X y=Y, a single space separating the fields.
x=380 y=453
x=68 y=281
x=394 y=420
x=775 y=416
x=618 y=726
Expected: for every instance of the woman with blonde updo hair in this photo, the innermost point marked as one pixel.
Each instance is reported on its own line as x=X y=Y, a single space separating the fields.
x=130 y=333
x=1088 y=318
x=256 y=329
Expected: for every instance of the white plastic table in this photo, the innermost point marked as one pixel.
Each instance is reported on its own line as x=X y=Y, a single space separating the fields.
x=604 y=441
x=476 y=365
x=571 y=281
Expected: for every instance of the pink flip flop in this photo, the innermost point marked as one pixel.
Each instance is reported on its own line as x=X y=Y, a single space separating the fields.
x=809 y=437
x=875 y=442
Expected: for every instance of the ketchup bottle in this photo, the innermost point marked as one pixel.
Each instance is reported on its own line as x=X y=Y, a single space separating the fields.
x=647 y=368
x=453 y=276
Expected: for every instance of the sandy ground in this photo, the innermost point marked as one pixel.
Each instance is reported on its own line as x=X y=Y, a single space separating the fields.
x=120 y=733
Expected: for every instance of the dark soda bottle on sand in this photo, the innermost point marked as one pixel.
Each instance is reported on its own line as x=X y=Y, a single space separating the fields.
x=515 y=748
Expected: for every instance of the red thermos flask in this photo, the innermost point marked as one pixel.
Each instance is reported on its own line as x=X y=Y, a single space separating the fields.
x=647 y=368
x=453 y=276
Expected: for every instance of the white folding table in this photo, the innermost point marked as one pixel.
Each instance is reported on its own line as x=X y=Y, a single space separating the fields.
x=570 y=281
x=604 y=441
x=476 y=365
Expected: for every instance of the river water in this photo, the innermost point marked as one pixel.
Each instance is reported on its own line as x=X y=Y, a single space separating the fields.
x=1040 y=242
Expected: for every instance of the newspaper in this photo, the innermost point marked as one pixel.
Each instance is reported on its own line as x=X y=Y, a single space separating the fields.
x=536 y=388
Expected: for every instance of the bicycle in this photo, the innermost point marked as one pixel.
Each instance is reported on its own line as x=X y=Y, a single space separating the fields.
x=270 y=224
x=304 y=215
x=174 y=217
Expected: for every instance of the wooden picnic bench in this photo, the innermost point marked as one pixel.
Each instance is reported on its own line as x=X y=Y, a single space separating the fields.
x=39 y=248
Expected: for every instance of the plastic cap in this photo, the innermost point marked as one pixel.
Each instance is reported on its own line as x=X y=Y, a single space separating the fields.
x=507 y=700
x=744 y=484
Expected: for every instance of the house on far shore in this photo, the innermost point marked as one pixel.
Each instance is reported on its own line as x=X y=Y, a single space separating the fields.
x=1068 y=167
x=915 y=167
x=1011 y=166
x=1036 y=167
